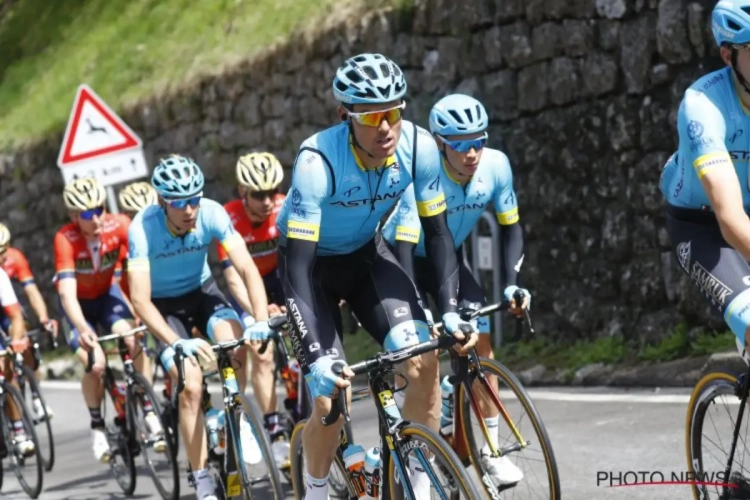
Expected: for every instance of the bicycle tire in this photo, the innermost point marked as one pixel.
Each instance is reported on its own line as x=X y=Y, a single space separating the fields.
x=255 y=417
x=713 y=383
x=123 y=435
x=494 y=367
x=139 y=380
x=15 y=394
x=296 y=456
x=432 y=441
x=29 y=377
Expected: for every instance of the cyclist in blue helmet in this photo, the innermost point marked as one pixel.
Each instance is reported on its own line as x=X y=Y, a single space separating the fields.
x=472 y=176
x=345 y=179
x=705 y=182
x=172 y=291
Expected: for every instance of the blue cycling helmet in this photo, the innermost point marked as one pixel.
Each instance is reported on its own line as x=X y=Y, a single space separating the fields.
x=458 y=114
x=369 y=79
x=177 y=177
x=730 y=22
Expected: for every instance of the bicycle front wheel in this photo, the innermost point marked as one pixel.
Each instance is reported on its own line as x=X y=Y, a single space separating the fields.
x=250 y=486
x=436 y=458
x=41 y=420
x=529 y=456
x=27 y=467
x=712 y=421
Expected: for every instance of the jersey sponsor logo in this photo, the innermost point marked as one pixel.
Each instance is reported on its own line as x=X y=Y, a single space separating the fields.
x=351 y=191
x=296 y=197
x=403 y=208
x=517 y=267
x=393 y=181
x=714 y=289
x=297 y=317
x=467 y=206
x=737 y=134
x=263 y=247
x=198 y=247
x=108 y=260
x=705 y=163
x=714 y=80
x=365 y=201
x=683 y=254
x=702 y=142
x=739 y=155
x=694 y=130
x=435 y=185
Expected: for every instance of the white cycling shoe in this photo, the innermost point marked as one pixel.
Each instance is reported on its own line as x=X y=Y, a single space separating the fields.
x=155 y=431
x=23 y=445
x=100 y=445
x=502 y=470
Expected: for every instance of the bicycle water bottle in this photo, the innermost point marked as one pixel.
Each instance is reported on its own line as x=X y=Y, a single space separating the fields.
x=212 y=424
x=446 y=418
x=354 y=461
x=373 y=470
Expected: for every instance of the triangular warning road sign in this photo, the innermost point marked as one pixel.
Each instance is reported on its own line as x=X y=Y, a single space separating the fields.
x=94 y=130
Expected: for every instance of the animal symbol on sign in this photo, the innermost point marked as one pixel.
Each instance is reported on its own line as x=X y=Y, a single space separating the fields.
x=93 y=128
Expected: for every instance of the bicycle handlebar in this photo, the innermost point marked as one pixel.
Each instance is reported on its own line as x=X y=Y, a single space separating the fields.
x=112 y=336
x=276 y=324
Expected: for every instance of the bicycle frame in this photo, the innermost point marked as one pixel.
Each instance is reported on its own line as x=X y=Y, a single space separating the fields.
x=742 y=389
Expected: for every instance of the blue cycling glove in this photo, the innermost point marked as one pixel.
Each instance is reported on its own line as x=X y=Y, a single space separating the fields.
x=321 y=379
x=452 y=322
x=257 y=331
x=190 y=347
x=509 y=291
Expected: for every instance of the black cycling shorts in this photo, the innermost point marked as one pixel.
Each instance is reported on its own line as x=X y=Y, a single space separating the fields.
x=717 y=269
x=378 y=290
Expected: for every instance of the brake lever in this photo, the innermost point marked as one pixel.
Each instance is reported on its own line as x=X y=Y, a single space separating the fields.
x=338 y=406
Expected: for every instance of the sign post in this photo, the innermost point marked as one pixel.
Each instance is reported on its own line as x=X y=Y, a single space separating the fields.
x=99 y=144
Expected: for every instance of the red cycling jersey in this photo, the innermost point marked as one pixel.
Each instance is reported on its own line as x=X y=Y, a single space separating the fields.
x=8 y=301
x=261 y=239
x=73 y=258
x=16 y=266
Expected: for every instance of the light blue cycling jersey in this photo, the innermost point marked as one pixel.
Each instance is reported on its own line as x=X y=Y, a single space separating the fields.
x=711 y=123
x=178 y=264
x=492 y=182
x=336 y=202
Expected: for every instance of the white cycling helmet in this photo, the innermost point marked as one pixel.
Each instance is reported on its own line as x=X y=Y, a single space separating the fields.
x=259 y=172
x=84 y=194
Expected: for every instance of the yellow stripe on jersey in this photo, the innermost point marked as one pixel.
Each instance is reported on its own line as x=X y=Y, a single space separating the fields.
x=704 y=163
x=303 y=231
x=408 y=234
x=138 y=264
x=431 y=207
x=231 y=242
x=507 y=218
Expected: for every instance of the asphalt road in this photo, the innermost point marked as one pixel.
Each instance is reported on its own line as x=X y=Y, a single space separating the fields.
x=593 y=432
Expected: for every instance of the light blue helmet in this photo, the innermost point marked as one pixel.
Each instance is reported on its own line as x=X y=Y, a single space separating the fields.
x=458 y=114
x=177 y=177
x=369 y=79
x=730 y=22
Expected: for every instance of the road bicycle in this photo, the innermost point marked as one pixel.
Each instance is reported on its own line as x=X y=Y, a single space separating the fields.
x=231 y=473
x=398 y=437
x=129 y=435
x=30 y=463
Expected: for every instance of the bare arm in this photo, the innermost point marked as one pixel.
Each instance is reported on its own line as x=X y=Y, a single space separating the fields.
x=68 y=289
x=253 y=282
x=37 y=302
x=723 y=189
x=238 y=289
x=140 y=294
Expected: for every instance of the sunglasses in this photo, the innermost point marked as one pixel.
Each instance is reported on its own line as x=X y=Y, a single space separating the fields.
x=375 y=118
x=91 y=213
x=193 y=201
x=262 y=195
x=465 y=145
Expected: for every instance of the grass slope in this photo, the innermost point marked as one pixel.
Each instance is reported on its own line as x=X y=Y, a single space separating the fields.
x=128 y=49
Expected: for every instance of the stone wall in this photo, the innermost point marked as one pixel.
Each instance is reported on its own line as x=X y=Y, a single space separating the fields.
x=582 y=95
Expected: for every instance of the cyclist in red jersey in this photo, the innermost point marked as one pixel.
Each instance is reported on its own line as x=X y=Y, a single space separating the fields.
x=11 y=309
x=16 y=266
x=254 y=217
x=87 y=251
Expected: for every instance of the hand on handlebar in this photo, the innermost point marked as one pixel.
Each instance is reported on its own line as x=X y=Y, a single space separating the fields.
x=323 y=381
x=515 y=309
x=51 y=326
x=87 y=339
x=20 y=345
x=462 y=330
x=197 y=348
x=257 y=332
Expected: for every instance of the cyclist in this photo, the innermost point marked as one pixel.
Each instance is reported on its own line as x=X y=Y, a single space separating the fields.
x=11 y=309
x=173 y=291
x=472 y=177
x=254 y=218
x=87 y=250
x=345 y=179
x=705 y=182
x=16 y=266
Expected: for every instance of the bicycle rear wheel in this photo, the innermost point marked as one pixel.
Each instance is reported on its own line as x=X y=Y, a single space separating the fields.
x=122 y=444
x=541 y=453
x=712 y=410
x=28 y=469
x=45 y=421
x=338 y=484
x=422 y=440
x=250 y=483
x=139 y=392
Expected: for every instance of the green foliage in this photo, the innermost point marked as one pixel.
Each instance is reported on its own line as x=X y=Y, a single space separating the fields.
x=130 y=49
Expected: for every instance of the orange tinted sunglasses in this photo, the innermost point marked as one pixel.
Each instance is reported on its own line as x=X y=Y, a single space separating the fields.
x=375 y=118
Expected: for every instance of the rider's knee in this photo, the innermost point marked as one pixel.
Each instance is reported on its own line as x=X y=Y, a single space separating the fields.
x=193 y=390
x=262 y=362
x=423 y=369
x=484 y=346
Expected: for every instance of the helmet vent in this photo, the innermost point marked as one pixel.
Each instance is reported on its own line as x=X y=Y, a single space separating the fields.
x=370 y=72
x=455 y=116
x=734 y=26
x=385 y=70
